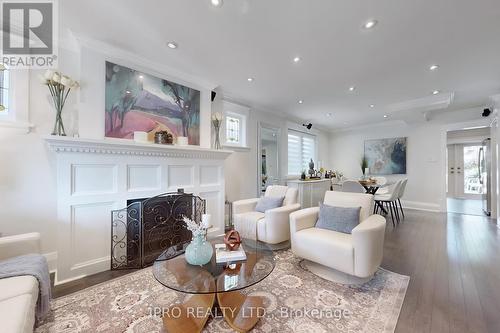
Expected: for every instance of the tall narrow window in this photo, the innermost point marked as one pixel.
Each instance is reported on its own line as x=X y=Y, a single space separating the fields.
x=235 y=125
x=301 y=149
x=233 y=130
x=4 y=90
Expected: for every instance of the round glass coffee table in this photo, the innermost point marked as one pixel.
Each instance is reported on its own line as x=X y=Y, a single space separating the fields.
x=214 y=287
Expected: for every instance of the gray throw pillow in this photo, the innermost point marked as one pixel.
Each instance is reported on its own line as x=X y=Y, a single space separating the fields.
x=341 y=219
x=266 y=203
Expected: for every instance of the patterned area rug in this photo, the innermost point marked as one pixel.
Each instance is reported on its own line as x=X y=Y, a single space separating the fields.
x=295 y=300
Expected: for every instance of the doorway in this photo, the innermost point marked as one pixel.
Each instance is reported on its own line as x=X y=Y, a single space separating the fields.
x=464 y=187
x=269 y=156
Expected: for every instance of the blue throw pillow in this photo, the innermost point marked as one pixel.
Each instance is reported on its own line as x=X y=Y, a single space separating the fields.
x=266 y=203
x=340 y=219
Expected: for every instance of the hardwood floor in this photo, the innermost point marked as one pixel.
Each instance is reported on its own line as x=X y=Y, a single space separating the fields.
x=454 y=264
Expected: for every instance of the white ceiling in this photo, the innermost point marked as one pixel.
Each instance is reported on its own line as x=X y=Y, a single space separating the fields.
x=259 y=38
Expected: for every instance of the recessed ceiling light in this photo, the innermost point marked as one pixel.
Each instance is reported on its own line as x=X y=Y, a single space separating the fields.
x=141 y=77
x=433 y=67
x=352 y=88
x=296 y=59
x=372 y=105
x=386 y=116
x=329 y=114
x=370 y=24
x=250 y=79
x=172 y=45
x=216 y=3
x=300 y=101
x=435 y=92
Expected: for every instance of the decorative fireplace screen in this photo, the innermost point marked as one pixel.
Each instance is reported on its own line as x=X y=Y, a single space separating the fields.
x=141 y=231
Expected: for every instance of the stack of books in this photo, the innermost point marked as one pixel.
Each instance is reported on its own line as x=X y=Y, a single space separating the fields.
x=223 y=255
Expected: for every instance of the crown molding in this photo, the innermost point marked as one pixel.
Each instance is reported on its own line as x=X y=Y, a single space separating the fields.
x=62 y=144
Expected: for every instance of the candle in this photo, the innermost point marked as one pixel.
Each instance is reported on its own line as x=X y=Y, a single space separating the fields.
x=140 y=136
x=205 y=221
x=182 y=140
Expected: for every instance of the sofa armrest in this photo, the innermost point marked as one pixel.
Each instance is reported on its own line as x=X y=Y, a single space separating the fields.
x=18 y=245
x=368 y=241
x=303 y=219
x=245 y=206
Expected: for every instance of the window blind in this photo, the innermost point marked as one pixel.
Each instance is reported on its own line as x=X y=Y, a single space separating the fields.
x=301 y=149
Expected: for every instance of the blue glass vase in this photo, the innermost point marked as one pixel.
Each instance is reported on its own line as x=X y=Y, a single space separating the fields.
x=199 y=251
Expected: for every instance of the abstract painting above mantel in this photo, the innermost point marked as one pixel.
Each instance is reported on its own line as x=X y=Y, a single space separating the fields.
x=386 y=156
x=137 y=101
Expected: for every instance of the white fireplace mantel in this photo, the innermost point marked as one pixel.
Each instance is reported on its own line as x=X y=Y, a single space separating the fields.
x=95 y=177
x=64 y=144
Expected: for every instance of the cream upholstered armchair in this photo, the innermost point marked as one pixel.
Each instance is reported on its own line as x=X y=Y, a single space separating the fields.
x=344 y=258
x=273 y=226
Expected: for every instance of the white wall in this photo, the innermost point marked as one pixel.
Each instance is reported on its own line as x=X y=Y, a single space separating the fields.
x=425 y=155
x=242 y=166
x=28 y=172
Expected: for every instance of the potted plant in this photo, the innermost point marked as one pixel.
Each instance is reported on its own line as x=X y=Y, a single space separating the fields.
x=364 y=166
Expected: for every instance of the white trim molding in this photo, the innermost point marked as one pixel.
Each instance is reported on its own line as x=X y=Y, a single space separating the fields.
x=424 y=206
x=97 y=176
x=62 y=144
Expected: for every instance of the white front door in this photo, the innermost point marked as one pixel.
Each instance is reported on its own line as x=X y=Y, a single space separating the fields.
x=463 y=173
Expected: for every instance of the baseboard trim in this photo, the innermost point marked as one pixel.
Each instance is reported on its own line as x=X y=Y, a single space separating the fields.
x=51 y=260
x=424 y=206
x=57 y=282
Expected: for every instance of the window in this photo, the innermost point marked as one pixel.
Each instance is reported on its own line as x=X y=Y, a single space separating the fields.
x=4 y=90
x=301 y=149
x=235 y=125
x=233 y=129
x=14 y=86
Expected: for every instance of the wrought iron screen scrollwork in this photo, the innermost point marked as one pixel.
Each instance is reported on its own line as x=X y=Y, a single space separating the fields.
x=146 y=227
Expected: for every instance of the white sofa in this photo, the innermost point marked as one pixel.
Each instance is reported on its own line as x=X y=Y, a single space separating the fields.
x=344 y=258
x=273 y=226
x=18 y=295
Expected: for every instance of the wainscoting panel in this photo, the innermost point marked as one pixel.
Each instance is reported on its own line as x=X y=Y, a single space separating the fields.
x=90 y=238
x=143 y=177
x=209 y=175
x=180 y=176
x=95 y=177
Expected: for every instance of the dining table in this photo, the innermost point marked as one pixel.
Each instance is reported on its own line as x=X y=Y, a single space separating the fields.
x=371 y=187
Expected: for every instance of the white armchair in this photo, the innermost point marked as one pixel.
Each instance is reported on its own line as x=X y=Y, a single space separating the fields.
x=273 y=226
x=344 y=258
